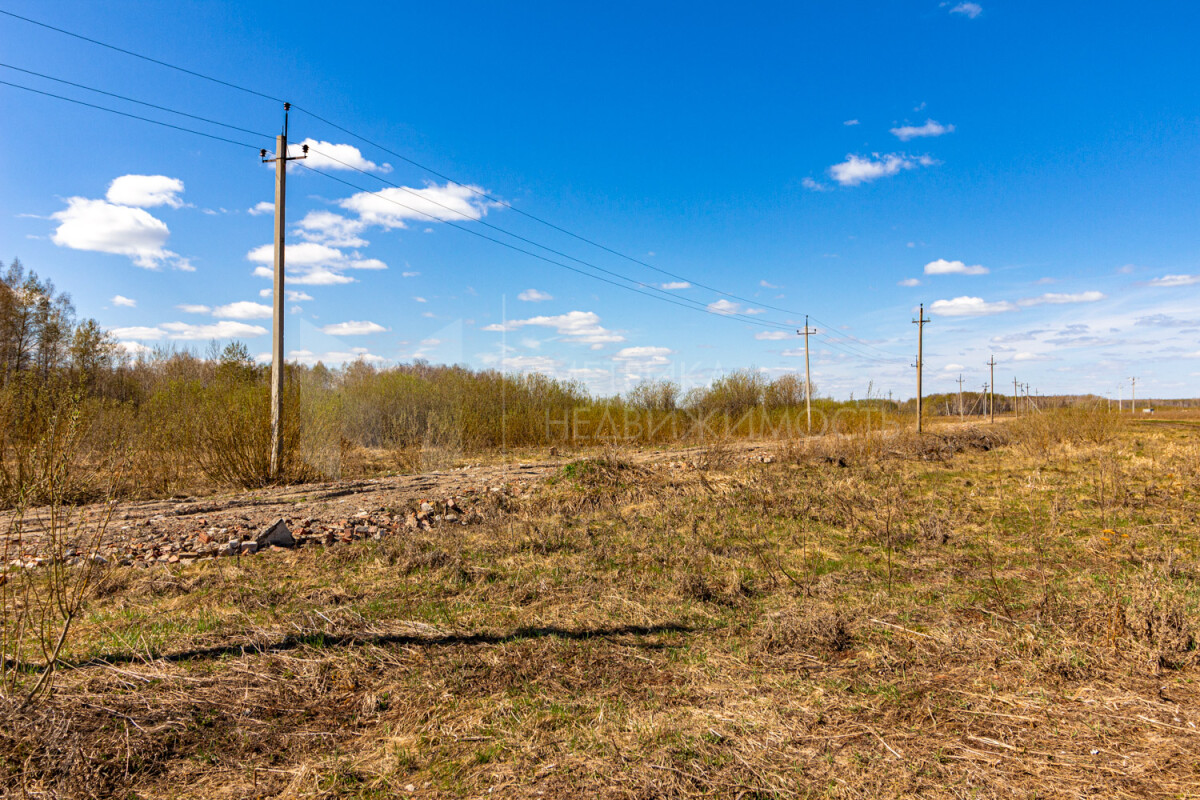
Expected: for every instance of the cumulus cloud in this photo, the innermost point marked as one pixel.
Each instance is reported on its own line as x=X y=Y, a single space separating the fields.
x=243 y=309
x=729 y=308
x=856 y=169
x=642 y=359
x=334 y=230
x=543 y=364
x=909 y=282
x=944 y=267
x=193 y=308
x=968 y=10
x=930 y=128
x=309 y=358
x=311 y=263
x=122 y=300
x=261 y=208
x=969 y=307
x=772 y=336
x=327 y=155
x=1060 y=298
x=1174 y=280
x=138 y=332
x=394 y=207
x=672 y=285
x=102 y=227
x=353 y=328
x=145 y=191
x=534 y=296
x=223 y=329
x=575 y=326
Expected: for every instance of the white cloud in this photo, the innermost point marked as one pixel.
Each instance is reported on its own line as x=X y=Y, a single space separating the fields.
x=767 y=285
x=643 y=359
x=304 y=254
x=261 y=208
x=353 y=328
x=327 y=155
x=310 y=358
x=316 y=276
x=534 y=296
x=102 y=227
x=772 y=336
x=969 y=10
x=930 y=128
x=311 y=263
x=1174 y=280
x=909 y=282
x=1059 y=298
x=335 y=230
x=366 y=263
x=121 y=300
x=193 y=308
x=290 y=296
x=855 y=169
x=420 y=299
x=409 y=274
x=953 y=368
x=813 y=185
x=575 y=326
x=135 y=348
x=138 y=332
x=392 y=207
x=243 y=309
x=724 y=306
x=224 y=329
x=672 y=285
x=969 y=307
x=530 y=363
x=850 y=122
x=944 y=267
x=145 y=191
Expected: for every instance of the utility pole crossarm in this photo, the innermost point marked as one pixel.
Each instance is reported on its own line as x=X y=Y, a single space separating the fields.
x=277 y=367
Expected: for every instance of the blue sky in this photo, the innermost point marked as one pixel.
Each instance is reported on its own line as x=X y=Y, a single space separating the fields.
x=1028 y=171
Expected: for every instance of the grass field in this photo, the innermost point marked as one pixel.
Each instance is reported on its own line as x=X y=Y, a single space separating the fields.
x=984 y=612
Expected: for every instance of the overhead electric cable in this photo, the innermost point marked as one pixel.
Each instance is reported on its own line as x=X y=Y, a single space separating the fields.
x=540 y=257
x=139 y=102
x=650 y=287
x=131 y=116
x=193 y=73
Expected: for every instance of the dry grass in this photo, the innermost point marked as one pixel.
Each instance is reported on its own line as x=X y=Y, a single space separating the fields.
x=943 y=616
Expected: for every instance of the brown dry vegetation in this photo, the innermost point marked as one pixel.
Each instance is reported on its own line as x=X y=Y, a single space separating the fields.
x=983 y=612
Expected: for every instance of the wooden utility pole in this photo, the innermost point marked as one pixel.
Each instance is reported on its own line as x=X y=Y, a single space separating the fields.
x=277 y=366
x=1133 y=395
x=807 y=374
x=992 y=399
x=1016 y=399
x=960 y=405
x=985 y=398
x=920 y=323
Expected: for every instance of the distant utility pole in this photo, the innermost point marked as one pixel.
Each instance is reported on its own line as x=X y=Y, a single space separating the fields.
x=920 y=323
x=280 y=161
x=986 y=399
x=1016 y=399
x=992 y=398
x=960 y=405
x=1133 y=395
x=1120 y=397
x=807 y=374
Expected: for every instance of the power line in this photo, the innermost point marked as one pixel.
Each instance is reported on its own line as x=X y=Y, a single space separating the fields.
x=540 y=257
x=131 y=116
x=139 y=102
x=184 y=70
x=528 y=241
x=413 y=162
x=534 y=217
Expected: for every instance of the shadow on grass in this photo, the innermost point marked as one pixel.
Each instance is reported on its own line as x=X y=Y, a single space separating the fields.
x=324 y=641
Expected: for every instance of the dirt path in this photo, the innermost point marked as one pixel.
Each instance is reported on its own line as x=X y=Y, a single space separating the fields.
x=182 y=530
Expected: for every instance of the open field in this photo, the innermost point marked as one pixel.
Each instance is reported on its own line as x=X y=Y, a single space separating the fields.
x=984 y=612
